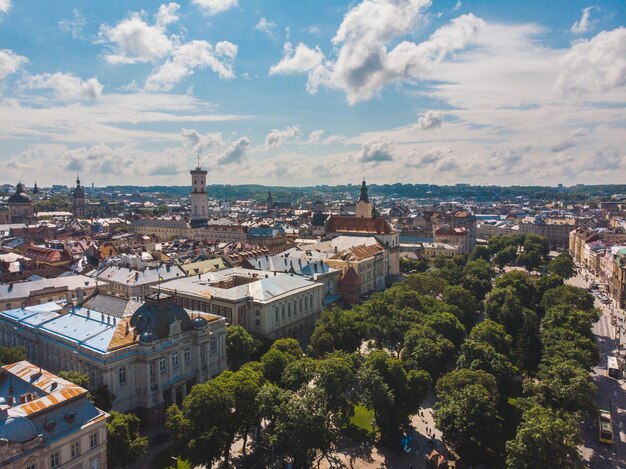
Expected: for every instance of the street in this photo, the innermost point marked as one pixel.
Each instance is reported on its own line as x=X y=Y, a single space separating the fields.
x=610 y=394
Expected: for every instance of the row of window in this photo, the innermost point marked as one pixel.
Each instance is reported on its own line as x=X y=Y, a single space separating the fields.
x=297 y=309
x=55 y=458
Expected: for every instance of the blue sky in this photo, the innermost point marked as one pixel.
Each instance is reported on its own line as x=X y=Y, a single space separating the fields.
x=313 y=92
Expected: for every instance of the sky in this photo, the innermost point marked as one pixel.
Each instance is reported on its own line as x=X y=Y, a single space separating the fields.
x=313 y=92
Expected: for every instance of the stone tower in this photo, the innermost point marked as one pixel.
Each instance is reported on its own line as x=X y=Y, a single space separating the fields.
x=78 y=200
x=364 y=206
x=199 y=198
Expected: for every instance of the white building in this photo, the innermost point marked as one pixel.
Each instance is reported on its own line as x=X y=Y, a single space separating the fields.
x=47 y=422
x=149 y=360
x=198 y=196
x=136 y=283
x=267 y=304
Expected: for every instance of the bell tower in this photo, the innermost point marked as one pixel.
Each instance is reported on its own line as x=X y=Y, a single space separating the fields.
x=364 y=206
x=198 y=196
x=78 y=200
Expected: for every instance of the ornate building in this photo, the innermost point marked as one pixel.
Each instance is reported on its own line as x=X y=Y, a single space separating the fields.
x=21 y=206
x=364 y=206
x=78 y=200
x=198 y=196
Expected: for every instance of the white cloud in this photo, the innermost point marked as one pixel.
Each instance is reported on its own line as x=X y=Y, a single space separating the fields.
x=213 y=7
x=315 y=136
x=377 y=150
x=595 y=65
x=265 y=26
x=167 y=14
x=364 y=64
x=10 y=62
x=430 y=120
x=235 y=151
x=187 y=57
x=277 y=138
x=198 y=144
x=75 y=25
x=134 y=40
x=458 y=6
x=584 y=24
x=437 y=158
x=66 y=86
x=5 y=6
x=303 y=59
x=609 y=158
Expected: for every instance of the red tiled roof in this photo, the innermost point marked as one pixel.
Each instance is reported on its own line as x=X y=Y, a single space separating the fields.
x=342 y=224
x=350 y=278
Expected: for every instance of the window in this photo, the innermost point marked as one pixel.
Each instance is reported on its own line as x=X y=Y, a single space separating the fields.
x=54 y=460
x=276 y=315
x=122 y=375
x=187 y=355
x=258 y=322
x=289 y=310
x=162 y=365
x=95 y=463
x=75 y=449
x=213 y=345
x=32 y=466
x=93 y=440
x=155 y=398
x=174 y=359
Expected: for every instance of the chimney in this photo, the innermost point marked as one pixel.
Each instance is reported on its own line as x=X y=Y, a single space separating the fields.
x=80 y=295
x=336 y=249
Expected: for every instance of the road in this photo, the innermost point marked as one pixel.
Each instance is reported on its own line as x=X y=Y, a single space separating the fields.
x=611 y=395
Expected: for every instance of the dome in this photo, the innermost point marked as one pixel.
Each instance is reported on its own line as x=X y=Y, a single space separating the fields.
x=156 y=315
x=17 y=429
x=198 y=322
x=146 y=337
x=20 y=197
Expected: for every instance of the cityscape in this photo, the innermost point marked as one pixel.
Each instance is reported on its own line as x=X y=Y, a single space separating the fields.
x=369 y=234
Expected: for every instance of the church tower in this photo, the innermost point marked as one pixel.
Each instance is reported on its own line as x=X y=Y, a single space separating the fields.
x=199 y=198
x=78 y=200
x=364 y=206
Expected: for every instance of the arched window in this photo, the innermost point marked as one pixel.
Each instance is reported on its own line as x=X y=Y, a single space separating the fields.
x=213 y=345
x=289 y=310
x=174 y=359
x=311 y=301
x=187 y=355
x=122 y=375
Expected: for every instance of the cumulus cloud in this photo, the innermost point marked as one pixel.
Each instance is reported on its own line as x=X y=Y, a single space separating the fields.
x=570 y=141
x=364 y=64
x=315 y=136
x=167 y=14
x=235 y=151
x=5 y=6
x=10 y=62
x=377 y=150
x=437 y=158
x=609 y=158
x=277 y=138
x=583 y=24
x=594 y=65
x=198 y=143
x=430 y=120
x=134 y=40
x=302 y=59
x=66 y=86
x=213 y=7
x=75 y=25
x=265 y=26
x=189 y=56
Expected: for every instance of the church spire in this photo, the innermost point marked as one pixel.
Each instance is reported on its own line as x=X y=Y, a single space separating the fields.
x=364 y=196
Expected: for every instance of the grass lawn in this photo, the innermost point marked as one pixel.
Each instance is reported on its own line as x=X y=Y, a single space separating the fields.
x=363 y=418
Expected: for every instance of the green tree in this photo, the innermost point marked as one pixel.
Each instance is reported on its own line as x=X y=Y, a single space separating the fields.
x=425 y=349
x=125 y=445
x=545 y=438
x=274 y=363
x=470 y=424
x=299 y=425
x=562 y=265
x=103 y=398
x=480 y=252
x=336 y=377
x=10 y=355
x=299 y=373
x=202 y=427
x=426 y=283
x=463 y=299
x=289 y=347
x=567 y=295
x=447 y=325
x=240 y=346
x=337 y=329
x=76 y=377
x=391 y=392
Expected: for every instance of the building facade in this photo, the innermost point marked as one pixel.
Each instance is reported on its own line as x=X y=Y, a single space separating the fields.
x=78 y=200
x=47 y=422
x=149 y=360
x=199 y=198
